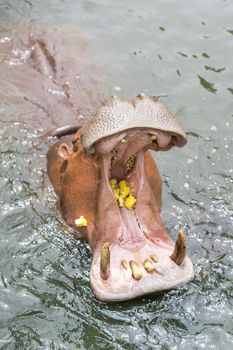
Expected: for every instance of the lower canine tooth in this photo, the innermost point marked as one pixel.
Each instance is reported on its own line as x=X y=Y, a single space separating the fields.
x=179 y=252
x=105 y=261
x=148 y=266
x=136 y=272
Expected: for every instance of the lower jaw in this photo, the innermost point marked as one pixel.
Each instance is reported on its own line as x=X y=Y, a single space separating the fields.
x=137 y=241
x=137 y=245
x=120 y=284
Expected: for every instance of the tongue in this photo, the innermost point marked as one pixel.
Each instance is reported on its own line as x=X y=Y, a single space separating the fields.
x=132 y=237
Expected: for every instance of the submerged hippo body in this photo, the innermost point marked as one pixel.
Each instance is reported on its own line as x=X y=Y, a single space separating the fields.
x=106 y=175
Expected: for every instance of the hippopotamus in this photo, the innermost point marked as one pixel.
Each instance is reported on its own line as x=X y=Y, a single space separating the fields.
x=107 y=183
x=109 y=189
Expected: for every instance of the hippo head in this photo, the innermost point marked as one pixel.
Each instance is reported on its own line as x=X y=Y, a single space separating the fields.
x=133 y=254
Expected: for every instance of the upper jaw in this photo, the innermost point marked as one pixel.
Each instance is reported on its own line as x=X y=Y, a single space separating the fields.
x=127 y=240
x=115 y=116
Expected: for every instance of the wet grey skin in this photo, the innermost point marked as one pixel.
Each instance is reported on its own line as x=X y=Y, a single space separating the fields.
x=144 y=111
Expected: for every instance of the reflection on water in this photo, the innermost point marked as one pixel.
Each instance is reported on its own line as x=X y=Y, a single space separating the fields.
x=182 y=51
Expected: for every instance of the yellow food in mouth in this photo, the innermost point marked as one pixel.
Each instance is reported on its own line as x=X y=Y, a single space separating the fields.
x=122 y=194
x=81 y=221
x=130 y=201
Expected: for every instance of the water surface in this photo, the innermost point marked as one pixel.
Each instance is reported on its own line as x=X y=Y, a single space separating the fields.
x=182 y=50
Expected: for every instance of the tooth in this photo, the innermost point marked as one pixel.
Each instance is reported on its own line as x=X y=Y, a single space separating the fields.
x=179 y=252
x=154 y=258
x=124 y=264
x=136 y=272
x=105 y=261
x=148 y=266
x=130 y=163
x=92 y=150
x=123 y=140
x=152 y=137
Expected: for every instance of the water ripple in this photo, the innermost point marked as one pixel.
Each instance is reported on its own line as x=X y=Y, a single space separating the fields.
x=45 y=297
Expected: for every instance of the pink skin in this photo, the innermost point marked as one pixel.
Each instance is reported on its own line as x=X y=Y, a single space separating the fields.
x=132 y=234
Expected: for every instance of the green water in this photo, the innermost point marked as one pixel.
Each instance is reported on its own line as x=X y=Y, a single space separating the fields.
x=181 y=49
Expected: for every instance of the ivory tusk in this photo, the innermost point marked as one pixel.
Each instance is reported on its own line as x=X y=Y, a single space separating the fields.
x=105 y=261
x=179 y=252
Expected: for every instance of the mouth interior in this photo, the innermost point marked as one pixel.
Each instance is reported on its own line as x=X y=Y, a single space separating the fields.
x=139 y=249
x=127 y=158
x=125 y=177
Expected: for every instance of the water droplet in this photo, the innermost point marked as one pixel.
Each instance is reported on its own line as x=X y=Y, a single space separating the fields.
x=5 y=39
x=117 y=88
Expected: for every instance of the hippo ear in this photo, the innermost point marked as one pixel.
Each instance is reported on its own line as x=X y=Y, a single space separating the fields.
x=64 y=151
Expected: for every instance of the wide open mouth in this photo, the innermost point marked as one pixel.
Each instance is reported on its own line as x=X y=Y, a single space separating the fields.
x=133 y=254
